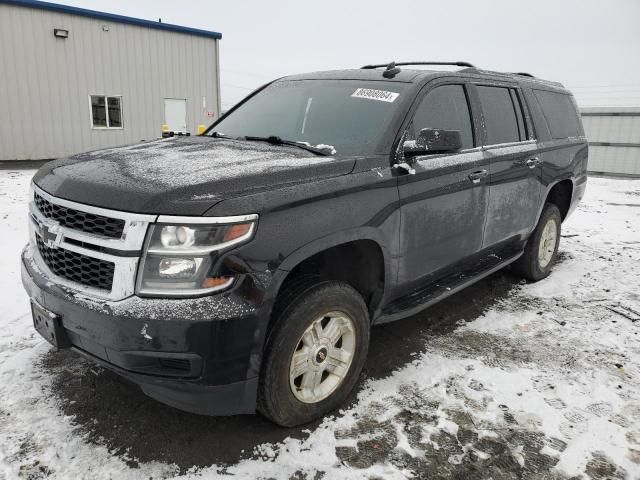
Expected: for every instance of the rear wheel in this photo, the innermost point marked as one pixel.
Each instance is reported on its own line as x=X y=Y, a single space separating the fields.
x=542 y=247
x=314 y=353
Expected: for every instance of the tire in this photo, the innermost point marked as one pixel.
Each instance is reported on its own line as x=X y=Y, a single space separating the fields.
x=338 y=309
x=533 y=265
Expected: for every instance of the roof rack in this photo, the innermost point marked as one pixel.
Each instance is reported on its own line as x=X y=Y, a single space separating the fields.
x=398 y=64
x=524 y=74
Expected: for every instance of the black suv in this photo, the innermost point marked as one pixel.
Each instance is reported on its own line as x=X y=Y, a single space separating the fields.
x=242 y=269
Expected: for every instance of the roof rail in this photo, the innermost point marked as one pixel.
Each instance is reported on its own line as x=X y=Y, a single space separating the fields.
x=524 y=74
x=398 y=64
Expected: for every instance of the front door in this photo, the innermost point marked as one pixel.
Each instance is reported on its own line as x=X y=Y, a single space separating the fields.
x=175 y=114
x=514 y=188
x=443 y=205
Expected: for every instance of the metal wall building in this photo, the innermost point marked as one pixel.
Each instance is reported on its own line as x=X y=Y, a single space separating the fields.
x=74 y=80
x=614 y=139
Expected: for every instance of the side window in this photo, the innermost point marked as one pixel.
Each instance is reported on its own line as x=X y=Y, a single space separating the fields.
x=500 y=117
x=560 y=113
x=445 y=107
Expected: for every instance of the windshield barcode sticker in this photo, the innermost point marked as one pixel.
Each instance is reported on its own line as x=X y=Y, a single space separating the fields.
x=371 y=94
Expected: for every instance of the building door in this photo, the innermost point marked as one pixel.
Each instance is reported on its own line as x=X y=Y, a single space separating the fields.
x=175 y=114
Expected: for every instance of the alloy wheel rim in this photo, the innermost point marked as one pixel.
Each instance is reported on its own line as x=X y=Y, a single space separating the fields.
x=322 y=357
x=548 y=241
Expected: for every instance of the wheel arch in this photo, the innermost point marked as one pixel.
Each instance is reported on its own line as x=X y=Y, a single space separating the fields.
x=560 y=194
x=344 y=249
x=561 y=191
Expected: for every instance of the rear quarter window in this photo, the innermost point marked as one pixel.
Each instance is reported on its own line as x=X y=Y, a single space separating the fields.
x=560 y=113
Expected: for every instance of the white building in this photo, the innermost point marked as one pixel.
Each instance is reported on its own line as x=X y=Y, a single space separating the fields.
x=74 y=80
x=614 y=139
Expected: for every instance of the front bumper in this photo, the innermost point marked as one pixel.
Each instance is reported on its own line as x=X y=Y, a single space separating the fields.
x=200 y=355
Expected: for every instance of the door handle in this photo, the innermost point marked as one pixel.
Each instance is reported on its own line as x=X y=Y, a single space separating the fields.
x=533 y=162
x=476 y=177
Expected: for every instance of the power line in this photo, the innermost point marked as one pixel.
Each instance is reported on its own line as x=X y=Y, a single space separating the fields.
x=237 y=86
x=251 y=74
x=613 y=89
x=605 y=92
x=611 y=95
x=606 y=86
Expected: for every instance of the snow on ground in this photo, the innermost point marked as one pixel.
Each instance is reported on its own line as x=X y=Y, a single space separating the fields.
x=544 y=384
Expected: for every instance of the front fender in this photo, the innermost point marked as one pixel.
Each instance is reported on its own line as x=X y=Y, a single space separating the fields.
x=329 y=241
x=333 y=240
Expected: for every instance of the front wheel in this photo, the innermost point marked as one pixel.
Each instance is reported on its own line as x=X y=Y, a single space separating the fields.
x=542 y=247
x=314 y=353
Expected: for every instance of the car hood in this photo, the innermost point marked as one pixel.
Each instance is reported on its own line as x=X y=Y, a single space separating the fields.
x=181 y=175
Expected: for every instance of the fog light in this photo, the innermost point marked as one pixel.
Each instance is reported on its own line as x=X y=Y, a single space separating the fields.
x=177 y=267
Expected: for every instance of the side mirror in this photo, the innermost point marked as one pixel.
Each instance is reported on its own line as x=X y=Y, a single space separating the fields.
x=432 y=140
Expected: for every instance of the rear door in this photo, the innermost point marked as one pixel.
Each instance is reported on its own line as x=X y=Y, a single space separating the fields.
x=514 y=165
x=443 y=204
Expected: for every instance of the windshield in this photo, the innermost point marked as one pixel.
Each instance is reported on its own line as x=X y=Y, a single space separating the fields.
x=348 y=115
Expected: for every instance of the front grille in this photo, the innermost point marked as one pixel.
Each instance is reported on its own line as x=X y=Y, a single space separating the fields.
x=77 y=267
x=77 y=220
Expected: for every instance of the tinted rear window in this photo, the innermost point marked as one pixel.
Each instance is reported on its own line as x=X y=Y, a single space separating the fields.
x=560 y=114
x=499 y=115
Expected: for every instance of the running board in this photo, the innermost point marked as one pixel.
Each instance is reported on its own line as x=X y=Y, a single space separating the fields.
x=422 y=299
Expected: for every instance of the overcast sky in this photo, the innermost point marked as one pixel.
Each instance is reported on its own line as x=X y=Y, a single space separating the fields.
x=592 y=46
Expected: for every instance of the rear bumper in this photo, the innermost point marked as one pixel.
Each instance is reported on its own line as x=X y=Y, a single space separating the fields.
x=200 y=355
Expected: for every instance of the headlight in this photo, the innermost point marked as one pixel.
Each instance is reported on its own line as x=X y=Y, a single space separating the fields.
x=172 y=236
x=178 y=257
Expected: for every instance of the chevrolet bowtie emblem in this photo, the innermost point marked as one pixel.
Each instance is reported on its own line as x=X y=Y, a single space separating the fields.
x=51 y=236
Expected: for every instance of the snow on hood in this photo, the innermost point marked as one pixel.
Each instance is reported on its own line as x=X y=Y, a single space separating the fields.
x=185 y=161
x=164 y=174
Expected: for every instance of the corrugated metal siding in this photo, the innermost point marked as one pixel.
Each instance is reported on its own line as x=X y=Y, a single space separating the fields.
x=45 y=82
x=618 y=160
x=619 y=126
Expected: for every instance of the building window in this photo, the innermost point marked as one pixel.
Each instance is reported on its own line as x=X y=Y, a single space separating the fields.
x=106 y=112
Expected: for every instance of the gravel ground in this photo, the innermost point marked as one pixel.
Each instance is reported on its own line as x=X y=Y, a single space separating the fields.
x=504 y=380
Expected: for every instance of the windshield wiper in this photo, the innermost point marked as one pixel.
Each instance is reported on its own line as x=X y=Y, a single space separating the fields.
x=275 y=140
x=220 y=135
